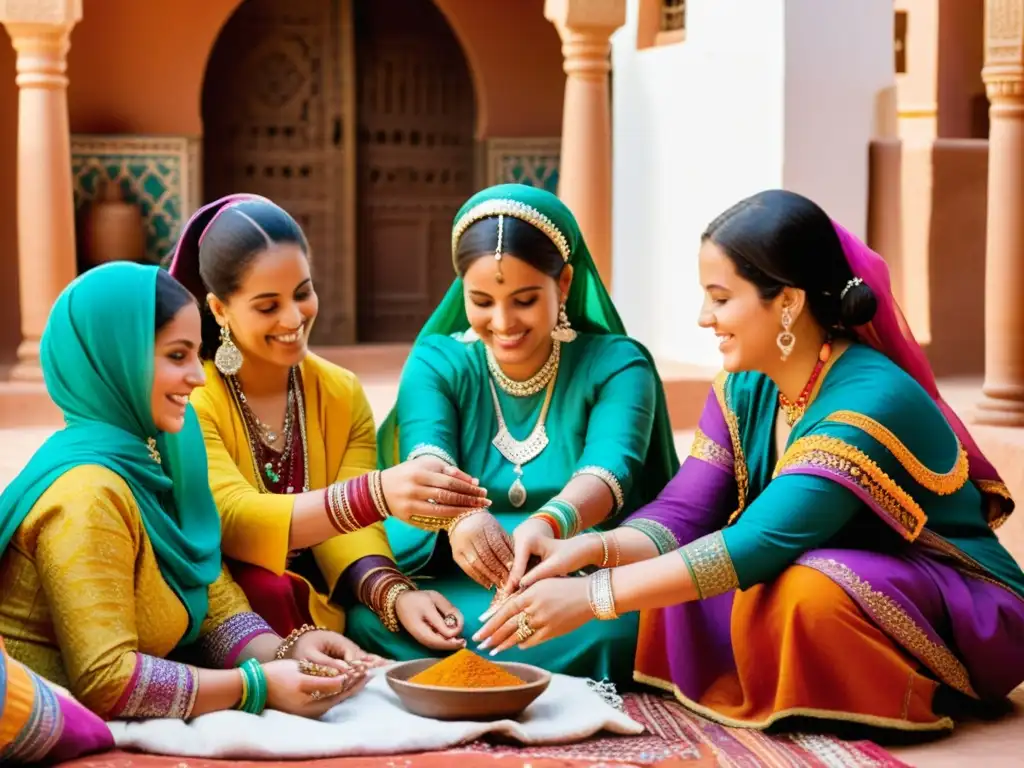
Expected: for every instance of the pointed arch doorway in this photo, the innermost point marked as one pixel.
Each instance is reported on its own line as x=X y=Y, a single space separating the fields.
x=357 y=117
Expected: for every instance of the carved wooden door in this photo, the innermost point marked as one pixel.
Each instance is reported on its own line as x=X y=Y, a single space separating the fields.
x=278 y=121
x=415 y=161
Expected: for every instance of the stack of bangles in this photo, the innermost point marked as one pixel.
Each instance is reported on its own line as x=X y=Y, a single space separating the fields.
x=380 y=589
x=357 y=503
x=254 y=687
x=562 y=516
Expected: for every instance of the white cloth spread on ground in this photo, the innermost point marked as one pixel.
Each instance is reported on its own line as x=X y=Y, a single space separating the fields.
x=373 y=722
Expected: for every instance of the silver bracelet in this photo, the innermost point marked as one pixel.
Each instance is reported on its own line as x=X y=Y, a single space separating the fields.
x=602 y=598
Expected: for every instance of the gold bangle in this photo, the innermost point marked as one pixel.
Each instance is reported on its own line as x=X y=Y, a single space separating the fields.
x=614 y=541
x=380 y=501
x=390 y=617
x=293 y=636
x=456 y=520
x=430 y=523
x=604 y=549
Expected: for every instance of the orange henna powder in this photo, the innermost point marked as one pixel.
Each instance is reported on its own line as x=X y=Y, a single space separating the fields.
x=464 y=669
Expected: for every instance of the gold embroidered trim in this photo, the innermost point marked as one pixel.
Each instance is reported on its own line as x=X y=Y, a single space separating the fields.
x=661 y=535
x=840 y=458
x=710 y=565
x=425 y=449
x=1000 y=514
x=944 y=484
x=515 y=209
x=897 y=623
x=706 y=449
x=739 y=460
x=609 y=479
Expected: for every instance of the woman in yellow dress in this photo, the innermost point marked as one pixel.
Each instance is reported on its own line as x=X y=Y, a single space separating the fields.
x=110 y=560
x=291 y=439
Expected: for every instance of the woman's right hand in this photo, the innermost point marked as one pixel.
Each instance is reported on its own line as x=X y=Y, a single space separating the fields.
x=291 y=691
x=428 y=487
x=561 y=557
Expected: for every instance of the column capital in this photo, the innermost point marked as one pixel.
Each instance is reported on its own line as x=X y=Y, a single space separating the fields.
x=583 y=15
x=1003 y=72
x=48 y=13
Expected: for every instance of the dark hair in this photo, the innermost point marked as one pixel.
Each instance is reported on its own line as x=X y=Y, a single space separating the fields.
x=171 y=296
x=229 y=240
x=518 y=238
x=778 y=238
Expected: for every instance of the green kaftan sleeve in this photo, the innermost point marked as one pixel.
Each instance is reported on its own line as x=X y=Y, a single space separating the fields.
x=427 y=402
x=618 y=430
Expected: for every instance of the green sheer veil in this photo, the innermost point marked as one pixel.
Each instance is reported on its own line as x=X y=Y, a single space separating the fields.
x=589 y=307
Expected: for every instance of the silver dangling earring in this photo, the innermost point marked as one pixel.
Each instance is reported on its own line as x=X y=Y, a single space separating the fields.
x=786 y=340
x=563 y=331
x=228 y=357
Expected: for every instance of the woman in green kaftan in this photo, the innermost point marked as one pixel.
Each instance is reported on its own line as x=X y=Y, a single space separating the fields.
x=524 y=378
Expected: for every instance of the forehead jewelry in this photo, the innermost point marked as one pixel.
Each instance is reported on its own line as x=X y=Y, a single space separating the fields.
x=500 y=278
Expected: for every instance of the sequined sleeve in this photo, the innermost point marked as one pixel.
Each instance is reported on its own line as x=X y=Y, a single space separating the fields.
x=230 y=624
x=86 y=549
x=621 y=419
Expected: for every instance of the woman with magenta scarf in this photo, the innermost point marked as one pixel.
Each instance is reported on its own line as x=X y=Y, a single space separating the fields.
x=835 y=554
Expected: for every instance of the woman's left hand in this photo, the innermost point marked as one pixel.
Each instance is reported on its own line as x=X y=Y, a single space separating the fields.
x=331 y=649
x=553 y=607
x=482 y=549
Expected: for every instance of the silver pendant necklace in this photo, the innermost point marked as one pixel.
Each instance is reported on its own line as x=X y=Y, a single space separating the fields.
x=519 y=452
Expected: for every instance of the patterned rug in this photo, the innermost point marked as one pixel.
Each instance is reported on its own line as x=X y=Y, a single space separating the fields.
x=675 y=732
x=674 y=737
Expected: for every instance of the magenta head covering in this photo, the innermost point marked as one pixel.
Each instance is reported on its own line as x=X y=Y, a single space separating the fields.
x=889 y=333
x=184 y=265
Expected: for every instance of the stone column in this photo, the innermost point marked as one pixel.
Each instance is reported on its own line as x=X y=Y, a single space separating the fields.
x=1003 y=73
x=40 y=31
x=585 y=174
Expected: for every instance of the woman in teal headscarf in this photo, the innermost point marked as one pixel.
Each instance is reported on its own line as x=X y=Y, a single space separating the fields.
x=109 y=539
x=524 y=378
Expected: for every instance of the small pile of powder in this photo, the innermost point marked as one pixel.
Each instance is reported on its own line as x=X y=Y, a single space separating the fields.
x=465 y=669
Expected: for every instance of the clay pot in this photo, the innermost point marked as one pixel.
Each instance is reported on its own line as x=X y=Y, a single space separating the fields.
x=112 y=229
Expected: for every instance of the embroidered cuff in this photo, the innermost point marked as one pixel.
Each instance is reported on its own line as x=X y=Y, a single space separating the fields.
x=706 y=449
x=609 y=479
x=425 y=449
x=40 y=714
x=661 y=535
x=710 y=565
x=158 y=688
x=220 y=648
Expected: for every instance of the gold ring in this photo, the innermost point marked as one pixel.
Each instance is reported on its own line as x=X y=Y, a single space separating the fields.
x=450 y=621
x=525 y=631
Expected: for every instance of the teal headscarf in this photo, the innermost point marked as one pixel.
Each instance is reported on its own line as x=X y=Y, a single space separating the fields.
x=97 y=356
x=589 y=307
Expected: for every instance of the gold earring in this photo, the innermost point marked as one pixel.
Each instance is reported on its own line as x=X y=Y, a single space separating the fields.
x=228 y=357
x=786 y=340
x=563 y=331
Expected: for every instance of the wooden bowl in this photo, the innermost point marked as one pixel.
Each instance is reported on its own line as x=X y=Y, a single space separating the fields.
x=440 y=703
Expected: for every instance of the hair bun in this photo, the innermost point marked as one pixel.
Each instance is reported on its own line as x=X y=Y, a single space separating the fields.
x=857 y=304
